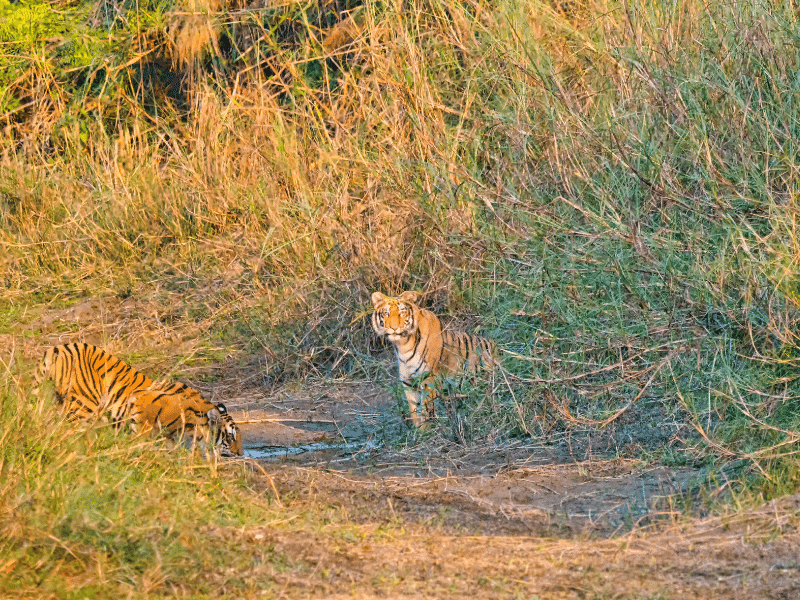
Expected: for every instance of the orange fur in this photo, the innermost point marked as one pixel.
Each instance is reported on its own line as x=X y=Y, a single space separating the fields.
x=92 y=383
x=424 y=349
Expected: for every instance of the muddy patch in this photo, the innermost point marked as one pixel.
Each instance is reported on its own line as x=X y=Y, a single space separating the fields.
x=315 y=421
x=345 y=441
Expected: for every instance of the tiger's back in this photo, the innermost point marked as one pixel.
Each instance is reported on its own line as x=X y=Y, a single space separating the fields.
x=424 y=349
x=465 y=352
x=90 y=382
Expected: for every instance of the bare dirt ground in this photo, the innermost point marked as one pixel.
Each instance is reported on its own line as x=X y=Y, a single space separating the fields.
x=334 y=437
x=511 y=520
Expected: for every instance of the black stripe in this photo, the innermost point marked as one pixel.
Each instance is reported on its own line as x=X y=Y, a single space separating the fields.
x=171 y=423
x=159 y=395
x=119 y=371
x=79 y=366
x=421 y=368
x=123 y=393
x=157 y=420
x=417 y=342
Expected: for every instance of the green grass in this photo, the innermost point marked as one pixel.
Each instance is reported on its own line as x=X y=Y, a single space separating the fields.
x=109 y=514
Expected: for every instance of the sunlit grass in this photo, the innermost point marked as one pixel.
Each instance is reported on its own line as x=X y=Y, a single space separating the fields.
x=119 y=514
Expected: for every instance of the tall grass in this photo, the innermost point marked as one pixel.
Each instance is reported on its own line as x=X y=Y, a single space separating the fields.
x=607 y=188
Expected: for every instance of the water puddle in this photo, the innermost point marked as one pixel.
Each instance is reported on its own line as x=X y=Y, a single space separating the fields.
x=343 y=449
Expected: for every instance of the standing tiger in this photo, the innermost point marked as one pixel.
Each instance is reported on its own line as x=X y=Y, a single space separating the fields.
x=92 y=383
x=424 y=349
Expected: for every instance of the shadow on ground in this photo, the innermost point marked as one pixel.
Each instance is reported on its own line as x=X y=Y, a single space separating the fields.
x=342 y=439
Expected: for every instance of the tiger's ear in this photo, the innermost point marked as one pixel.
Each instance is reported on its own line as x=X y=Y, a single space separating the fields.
x=378 y=300
x=214 y=416
x=410 y=296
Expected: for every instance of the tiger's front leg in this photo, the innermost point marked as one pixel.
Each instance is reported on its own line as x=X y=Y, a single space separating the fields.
x=421 y=401
x=413 y=398
x=429 y=396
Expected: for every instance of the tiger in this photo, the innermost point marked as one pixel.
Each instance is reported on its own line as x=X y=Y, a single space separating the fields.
x=93 y=383
x=177 y=409
x=424 y=349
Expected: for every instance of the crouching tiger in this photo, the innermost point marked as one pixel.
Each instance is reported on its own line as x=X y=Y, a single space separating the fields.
x=424 y=349
x=92 y=383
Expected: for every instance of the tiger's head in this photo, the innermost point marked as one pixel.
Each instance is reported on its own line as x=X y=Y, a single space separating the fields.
x=396 y=318
x=229 y=438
